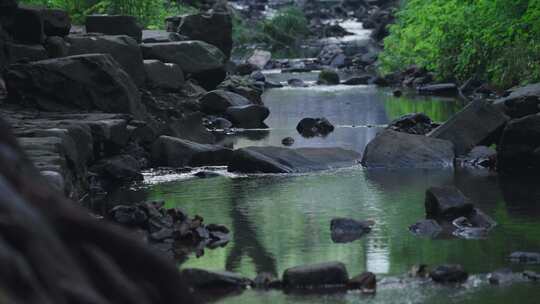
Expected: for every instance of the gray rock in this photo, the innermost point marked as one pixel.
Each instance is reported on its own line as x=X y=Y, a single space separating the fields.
x=426 y=228
x=85 y=82
x=344 y=230
x=287 y=141
x=441 y=89
x=56 y=22
x=259 y=58
x=213 y=28
x=358 y=80
x=191 y=127
x=477 y=124
x=55 y=179
x=525 y=257
x=248 y=116
x=114 y=25
x=310 y=127
x=56 y=47
x=328 y=77
x=120 y=168
x=160 y=36
x=447 y=202
x=316 y=275
x=366 y=282
x=391 y=149
x=176 y=152
x=27 y=25
x=25 y=53
x=218 y=101
x=285 y=160
x=167 y=76
x=191 y=56
x=448 y=274
x=517 y=150
x=521 y=102
x=297 y=83
x=414 y=123
x=122 y=48
x=205 y=279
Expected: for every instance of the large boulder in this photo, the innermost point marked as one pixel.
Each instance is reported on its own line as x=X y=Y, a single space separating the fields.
x=168 y=76
x=248 y=116
x=25 y=52
x=122 y=48
x=243 y=85
x=213 y=28
x=176 y=152
x=447 y=202
x=316 y=275
x=391 y=149
x=521 y=102
x=518 y=149
x=259 y=59
x=192 y=56
x=84 y=82
x=114 y=25
x=218 y=101
x=285 y=160
x=478 y=123
x=28 y=25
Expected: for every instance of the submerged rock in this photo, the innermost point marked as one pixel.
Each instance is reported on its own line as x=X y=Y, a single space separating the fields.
x=449 y=274
x=346 y=230
x=391 y=149
x=310 y=127
x=316 y=275
x=477 y=124
x=285 y=160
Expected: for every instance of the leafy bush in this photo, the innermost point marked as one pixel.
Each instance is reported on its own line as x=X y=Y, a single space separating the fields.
x=282 y=33
x=495 y=40
x=151 y=13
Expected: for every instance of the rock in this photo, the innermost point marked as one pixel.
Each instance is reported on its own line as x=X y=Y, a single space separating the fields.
x=426 y=228
x=501 y=276
x=210 y=79
x=207 y=174
x=391 y=149
x=521 y=102
x=218 y=101
x=161 y=36
x=287 y=141
x=123 y=49
x=525 y=257
x=366 y=281
x=328 y=77
x=531 y=275
x=316 y=275
x=56 y=22
x=167 y=76
x=480 y=156
x=28 y=25
x=56 y=47
x=191 y=56
x=55 y=179
x=297 y=83
x=358 y=80
x=244 y=86
x=397 y=93
x=518 y=149
x=121 y=168
x=285 y=160
x=245 y=68
x=346 y=230
x=446 y=202
x=213 y=28
x=331 y=55
x=218 y=123
x=85 y=82
x=414 y=123
x=114 y=25
x=176 y=152
x=25 y=53
x=258 y=76
x=448 y=274
x=266 y=280
x=259 y=59
x=418 y=271
x=205 y=279
x=248 y=116
x=441 y=89
x=310 y=127
x=477 y=124
x=191 y=127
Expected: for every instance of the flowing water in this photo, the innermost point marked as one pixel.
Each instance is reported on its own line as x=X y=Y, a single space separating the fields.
x=280 y=221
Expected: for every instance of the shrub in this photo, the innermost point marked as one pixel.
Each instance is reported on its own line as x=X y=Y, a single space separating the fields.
x=495 y=40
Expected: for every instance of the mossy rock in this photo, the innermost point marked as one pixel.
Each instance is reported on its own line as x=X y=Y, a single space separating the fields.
x=328 y=77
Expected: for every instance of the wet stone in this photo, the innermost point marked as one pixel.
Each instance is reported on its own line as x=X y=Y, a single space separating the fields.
x=448 y=274
x=525 y=257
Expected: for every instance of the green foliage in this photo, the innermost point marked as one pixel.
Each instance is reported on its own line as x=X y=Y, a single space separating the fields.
x=497 y=40
x=283 y=33
x=150 y=13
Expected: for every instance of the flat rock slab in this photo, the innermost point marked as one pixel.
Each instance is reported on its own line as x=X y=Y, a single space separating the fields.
x=316 y=275
x=477 y=124
x=285 y=160
x=391 y=149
